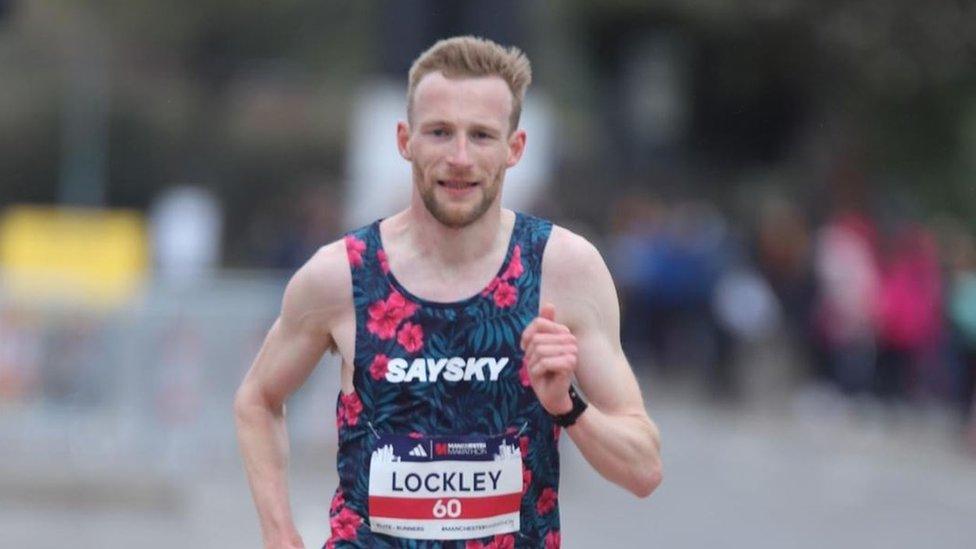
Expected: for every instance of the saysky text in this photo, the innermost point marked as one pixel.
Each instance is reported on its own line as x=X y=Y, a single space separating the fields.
x=448 y=369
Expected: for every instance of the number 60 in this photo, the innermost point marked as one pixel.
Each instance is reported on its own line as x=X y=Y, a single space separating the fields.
x=450 y=509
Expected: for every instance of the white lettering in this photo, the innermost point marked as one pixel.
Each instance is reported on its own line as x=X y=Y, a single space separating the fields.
x=496 y=366
x=399 y=370
x=454 y=369
x=418 y=370
x=475 y=368
x=435 y=367
x=395 y=369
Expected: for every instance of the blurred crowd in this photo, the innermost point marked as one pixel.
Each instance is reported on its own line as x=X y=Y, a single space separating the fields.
x=876 y=305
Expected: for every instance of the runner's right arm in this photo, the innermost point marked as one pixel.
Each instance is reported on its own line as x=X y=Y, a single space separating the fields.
x=313 y=303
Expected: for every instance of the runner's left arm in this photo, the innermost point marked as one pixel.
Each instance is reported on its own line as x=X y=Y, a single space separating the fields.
x=578 y=335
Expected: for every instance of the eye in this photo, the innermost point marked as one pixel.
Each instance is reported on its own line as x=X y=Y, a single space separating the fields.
x=439 y=132
x=482 y=135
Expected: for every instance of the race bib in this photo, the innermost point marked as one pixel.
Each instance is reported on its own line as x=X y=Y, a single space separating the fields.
x=447 y=488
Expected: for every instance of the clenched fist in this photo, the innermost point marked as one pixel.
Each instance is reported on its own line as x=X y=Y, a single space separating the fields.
x=550 y=357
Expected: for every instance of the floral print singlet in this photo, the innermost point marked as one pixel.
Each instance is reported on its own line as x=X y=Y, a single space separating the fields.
x=392 y=323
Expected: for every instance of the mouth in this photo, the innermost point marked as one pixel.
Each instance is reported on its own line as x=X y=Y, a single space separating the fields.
x=456 y=184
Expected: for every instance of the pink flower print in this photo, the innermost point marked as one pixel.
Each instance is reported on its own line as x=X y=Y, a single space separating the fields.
x=384 y=261
x=524 y=446
x=524 y=374
x=547 y=501
x=555 y=432
x=354 y=407
x=411 y=337
x=491 y=286
x=475 y=544
x=354 y=250
x=344 y=524
x=341 y=412
x=553 y=539
x=349 y=409
x=382 y=320
x=514 y=269
x=379 y=366
x=338 y=502
x=415 y=435
x=505 y=295
x=402 y=307
x=386 y=315
x=506 y=541
x=526 y=478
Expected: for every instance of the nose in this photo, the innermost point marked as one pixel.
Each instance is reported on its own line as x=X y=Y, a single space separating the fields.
x=460 y=158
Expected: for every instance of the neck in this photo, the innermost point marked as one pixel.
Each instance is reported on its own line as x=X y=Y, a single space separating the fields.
x=449 y=245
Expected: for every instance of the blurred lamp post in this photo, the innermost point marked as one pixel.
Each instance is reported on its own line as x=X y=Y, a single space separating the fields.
x=84 y=130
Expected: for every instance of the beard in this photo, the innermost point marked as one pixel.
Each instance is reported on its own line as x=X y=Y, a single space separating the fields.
x=458 y=216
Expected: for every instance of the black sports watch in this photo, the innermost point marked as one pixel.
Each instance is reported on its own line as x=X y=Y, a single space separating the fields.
x=570 y=417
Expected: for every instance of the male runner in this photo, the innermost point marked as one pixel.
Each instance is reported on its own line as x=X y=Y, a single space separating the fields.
x=455 y=381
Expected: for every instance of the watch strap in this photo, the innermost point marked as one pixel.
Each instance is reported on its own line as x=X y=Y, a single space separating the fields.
x=570 y=417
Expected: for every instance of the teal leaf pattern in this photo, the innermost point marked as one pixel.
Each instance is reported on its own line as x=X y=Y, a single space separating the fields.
x=489 y=324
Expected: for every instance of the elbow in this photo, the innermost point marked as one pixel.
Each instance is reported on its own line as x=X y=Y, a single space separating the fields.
x=649 y=476
x=248 y=400
x=647 y=481
x=242 y=402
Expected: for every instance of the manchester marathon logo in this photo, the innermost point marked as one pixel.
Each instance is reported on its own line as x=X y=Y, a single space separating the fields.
x=448 y=449
x=449 y=369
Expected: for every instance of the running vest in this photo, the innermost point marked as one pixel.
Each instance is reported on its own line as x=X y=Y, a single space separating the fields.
x=444 y=443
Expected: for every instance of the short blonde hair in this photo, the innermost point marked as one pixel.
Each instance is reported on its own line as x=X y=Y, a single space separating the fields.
x=472 y=57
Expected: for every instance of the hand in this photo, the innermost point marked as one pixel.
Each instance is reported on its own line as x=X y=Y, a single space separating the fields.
x=550 y=357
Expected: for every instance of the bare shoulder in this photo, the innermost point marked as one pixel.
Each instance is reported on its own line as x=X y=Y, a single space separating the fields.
x=575 y=278
x=570 y=258
x=319 y=294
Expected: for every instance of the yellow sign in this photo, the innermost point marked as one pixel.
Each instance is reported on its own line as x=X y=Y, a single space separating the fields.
x=85 y=256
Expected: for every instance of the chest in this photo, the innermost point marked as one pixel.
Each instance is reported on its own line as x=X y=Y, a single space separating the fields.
x=432 y=282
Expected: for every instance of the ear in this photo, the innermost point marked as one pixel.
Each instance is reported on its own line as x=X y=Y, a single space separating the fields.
x=516 y=146
x=403 y=139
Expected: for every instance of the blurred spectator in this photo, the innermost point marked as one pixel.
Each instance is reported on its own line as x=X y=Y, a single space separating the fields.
x=961 y=305
x=848 y=286
x=910 y=316
x=636 y=233
x=784 y=257
x=745 y=305
x=669 y=262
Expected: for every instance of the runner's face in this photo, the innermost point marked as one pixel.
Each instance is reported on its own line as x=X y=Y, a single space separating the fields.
x=459 y=145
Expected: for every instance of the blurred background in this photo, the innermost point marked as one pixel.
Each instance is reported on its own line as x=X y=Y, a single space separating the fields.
x=784 y=192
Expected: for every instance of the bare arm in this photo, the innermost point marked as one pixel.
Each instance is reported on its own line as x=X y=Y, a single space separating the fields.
x=296 y=342
x=580 y=336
